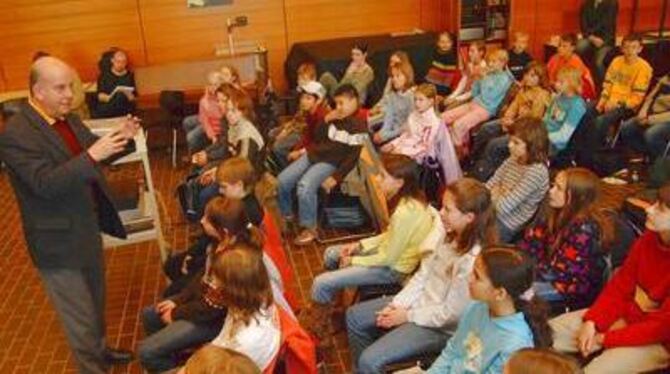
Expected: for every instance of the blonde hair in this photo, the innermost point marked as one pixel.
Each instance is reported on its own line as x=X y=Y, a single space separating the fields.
x=498 y=55
x=233 y=71
x=572 y=76
x=521 y=35
x=426 y=89
x=215 y=78
x=211 y=359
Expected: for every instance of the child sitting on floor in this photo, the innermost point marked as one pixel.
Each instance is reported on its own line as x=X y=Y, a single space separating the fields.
x=444 y=71
x=487 y=93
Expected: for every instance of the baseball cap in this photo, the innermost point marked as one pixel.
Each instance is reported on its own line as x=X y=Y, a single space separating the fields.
x=314 y=88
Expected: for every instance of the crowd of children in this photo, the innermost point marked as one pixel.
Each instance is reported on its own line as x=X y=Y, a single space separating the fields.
x=515 y=240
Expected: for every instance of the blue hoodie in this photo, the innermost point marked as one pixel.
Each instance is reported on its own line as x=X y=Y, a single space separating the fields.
x=490 y=91
x=483 y=344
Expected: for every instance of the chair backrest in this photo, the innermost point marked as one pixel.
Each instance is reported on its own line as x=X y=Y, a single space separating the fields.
x=172 y=102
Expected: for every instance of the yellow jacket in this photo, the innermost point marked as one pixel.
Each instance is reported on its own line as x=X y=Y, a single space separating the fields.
x=626 y=83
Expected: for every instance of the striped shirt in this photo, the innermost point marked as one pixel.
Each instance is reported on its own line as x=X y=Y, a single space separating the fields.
x=521 y=189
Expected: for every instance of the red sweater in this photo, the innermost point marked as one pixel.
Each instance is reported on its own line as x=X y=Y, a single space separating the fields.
x=647 y=267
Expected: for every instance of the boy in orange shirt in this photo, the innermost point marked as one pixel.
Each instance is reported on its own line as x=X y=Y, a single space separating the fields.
x=566 y=57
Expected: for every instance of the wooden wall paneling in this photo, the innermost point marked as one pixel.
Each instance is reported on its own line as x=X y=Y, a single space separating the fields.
x=523 y=18
x=77 y=31
x=438 y=15
x=327 y=19
x=176 y=33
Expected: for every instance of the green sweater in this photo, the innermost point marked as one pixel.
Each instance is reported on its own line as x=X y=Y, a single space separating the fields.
x=398 y=246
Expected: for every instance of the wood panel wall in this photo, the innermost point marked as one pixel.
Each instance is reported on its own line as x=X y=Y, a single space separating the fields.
x=544 y=18
x=161 y=31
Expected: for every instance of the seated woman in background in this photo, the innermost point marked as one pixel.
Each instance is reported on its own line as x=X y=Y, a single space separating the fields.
x=503 y=318
x=387 y=258
x=567 y=238
x=358 y=74
x=116 y=88
x=420 y=319
x=531 y=100
x=204 y=127
x=629 y=320
x=391 y=112
x=521 y=182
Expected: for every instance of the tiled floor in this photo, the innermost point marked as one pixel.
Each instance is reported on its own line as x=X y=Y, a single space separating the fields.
x=31 y=340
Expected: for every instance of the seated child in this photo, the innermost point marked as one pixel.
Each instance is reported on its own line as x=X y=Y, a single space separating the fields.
x=649 y=131
x=252 y=325
x=626 y=82
x=504 y=317
x=420 y=319
x=519 y=185
x=444 y=71
x=518 y=56
x=358 y=74
x=195 y=314
x=387 y=258
x=487 y=93
x=332 y=154
x=629 y=320
x=566 y=57
x=397 y=58
x=565 y=111
x=242 y=138
x=231 y=76
x=294 y=134
x=473 y=70
x=566 y=240
x=395 y=106
x=531 y=100
x=544 y=360
x=205 y=127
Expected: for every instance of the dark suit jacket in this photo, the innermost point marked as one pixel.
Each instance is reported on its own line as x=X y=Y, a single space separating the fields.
x=62 y=210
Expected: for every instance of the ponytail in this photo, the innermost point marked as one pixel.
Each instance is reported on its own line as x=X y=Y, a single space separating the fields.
x=514 y=271
x=536 y=312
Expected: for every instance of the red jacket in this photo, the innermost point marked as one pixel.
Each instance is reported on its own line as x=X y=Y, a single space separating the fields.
x=297 y=349
x=647 y=271
x=274 y=249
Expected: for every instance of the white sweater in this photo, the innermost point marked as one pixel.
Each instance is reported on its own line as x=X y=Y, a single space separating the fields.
x=437 y=294
x=259 y=340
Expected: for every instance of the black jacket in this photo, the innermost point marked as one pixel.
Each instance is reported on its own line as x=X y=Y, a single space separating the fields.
x=601 y=20
x=62 y=213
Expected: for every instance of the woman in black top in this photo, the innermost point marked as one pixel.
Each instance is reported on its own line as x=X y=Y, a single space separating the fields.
x=116 y=88
x=598 y=24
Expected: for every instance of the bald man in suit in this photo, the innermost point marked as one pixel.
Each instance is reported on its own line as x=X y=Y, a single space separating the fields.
x=54 y=163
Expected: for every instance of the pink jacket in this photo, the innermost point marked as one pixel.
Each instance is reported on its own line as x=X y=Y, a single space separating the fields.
x=209 y=115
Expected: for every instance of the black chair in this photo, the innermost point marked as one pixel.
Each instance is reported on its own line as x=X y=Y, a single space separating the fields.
x=171 y=116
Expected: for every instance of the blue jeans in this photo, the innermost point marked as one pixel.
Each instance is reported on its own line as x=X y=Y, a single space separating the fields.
x=161 y=342
x=372 y=347
x=495 y=153
x=327 y=284
x=308 y=178
x=651 y=139
x=196 y=138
